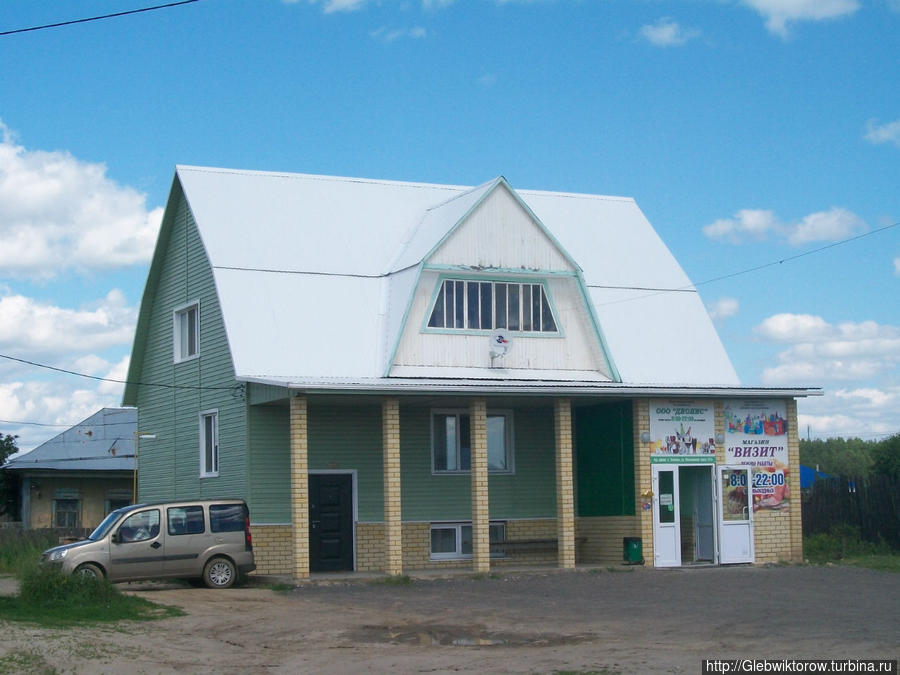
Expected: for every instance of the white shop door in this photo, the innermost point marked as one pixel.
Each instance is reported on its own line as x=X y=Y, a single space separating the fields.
x=666 y=518
x=735 y=515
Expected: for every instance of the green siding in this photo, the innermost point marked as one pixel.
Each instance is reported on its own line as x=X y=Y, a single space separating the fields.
x=528 y=493
x=604 y=456
x=270 y=463
x=170 y=465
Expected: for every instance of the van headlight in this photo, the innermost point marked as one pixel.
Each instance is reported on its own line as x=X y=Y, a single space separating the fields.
x=56 y=556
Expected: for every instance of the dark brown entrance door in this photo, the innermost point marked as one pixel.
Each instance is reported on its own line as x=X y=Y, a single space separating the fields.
x=330 y=522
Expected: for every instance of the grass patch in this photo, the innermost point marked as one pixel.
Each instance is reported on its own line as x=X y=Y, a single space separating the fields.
x=50 y=599
x=22 y=661
x=843 y=545
x=21 y=549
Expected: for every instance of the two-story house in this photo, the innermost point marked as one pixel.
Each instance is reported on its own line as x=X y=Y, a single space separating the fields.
x=402 y=376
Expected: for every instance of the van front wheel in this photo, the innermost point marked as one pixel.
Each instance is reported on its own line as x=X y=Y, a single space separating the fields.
x=219 y=573
x=89 y=571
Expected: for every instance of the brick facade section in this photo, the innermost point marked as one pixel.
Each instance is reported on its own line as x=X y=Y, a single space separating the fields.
x=565 y=486
x=300 y=487
x=392 y=554
x=273 y=549
x=481 y=550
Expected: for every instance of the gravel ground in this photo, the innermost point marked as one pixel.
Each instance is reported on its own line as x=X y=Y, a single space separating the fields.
x=630 y=620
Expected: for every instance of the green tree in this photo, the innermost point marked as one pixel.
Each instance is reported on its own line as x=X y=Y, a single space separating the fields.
x=9 y=481
x=839 y=456
x=886 y=457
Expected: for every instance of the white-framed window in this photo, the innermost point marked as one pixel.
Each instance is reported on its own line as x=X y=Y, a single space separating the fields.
x=454 y=540
x=186 y=324
x=209 y=443
x=451 y=445
x=484 y=305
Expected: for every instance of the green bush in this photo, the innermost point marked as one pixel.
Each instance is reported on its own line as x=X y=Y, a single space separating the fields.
x=21 y=549
x=841 y=542
x=46 y=586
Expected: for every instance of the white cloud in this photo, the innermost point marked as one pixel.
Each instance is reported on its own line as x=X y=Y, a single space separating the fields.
x=61 y=403
x=832 y=225
x=388 y=35
x=753 y=225
x=778 y=13
x=436 y=4
x=59 y=213
x=723 y=308
x=897 y=265
x=883 y=133
x=330 y=6
x=667 y=32
x=861 y=359
x=822 y=352
x=27 y=326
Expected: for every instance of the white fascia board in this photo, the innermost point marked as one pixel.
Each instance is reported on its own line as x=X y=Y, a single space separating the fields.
x=435 y=386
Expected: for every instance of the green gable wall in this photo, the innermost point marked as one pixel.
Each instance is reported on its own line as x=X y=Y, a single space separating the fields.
x=169 y=467
x=604 y=460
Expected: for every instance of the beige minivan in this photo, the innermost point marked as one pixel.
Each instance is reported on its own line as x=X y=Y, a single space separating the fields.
x=206 y=540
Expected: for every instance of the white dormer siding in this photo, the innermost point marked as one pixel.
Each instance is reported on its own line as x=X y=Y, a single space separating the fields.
x=500 y=241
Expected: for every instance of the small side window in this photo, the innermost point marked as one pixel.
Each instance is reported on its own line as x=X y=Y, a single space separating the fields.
x=186 y=322
x=185 y=520
x=227 y=517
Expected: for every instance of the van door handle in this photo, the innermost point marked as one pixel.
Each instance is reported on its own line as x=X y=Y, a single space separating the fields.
x=155 y=544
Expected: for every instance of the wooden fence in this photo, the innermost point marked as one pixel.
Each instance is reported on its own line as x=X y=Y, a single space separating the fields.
x=872 y=505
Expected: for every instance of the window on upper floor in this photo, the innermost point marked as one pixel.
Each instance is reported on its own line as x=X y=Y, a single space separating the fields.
x=451 y=448
x=209 y=443
x=485 y=305
x=186 y=322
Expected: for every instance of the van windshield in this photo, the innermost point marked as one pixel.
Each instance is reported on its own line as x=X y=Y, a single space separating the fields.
x=105 y=526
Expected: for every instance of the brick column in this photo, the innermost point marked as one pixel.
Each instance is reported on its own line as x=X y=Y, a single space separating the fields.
x=796 y=509
x=565 y=491
x=481 y=529
x=390 y=443
x=643 y=475
x=299 y=488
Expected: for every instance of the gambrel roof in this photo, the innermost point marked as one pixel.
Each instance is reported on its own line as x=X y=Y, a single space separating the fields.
x=314 y=274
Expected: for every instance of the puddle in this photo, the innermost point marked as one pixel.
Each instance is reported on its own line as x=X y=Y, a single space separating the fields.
x=427 y=635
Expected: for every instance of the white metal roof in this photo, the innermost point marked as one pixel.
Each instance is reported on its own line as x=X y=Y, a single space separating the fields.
x=303 y=267
x=102 y=442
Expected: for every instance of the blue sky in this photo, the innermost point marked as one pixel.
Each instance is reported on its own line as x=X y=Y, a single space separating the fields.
x=748 y=131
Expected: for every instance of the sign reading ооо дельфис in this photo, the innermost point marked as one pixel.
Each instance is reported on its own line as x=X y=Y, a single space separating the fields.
x=681 y=431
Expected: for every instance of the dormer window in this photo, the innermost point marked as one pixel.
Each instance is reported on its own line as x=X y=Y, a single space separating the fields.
x=485 y=305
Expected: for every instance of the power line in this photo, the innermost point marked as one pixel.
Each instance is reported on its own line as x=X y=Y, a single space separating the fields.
x=692 y=287
x=109 y=379
x=97 y=18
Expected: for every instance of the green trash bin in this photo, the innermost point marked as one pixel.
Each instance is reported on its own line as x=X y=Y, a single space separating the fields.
x=632 y=551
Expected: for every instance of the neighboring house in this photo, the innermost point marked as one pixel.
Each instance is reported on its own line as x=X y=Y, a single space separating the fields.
x=73 y=480
x=401 y=375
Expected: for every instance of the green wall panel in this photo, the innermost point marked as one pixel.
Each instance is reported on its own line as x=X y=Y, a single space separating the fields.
x=604 y=459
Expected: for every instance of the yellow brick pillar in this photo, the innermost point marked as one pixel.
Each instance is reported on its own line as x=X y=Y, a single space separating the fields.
x=390 y=443
x=643 y=474
x=796 y=513
x=481 y=528
x=299 y=488
x=565 y=491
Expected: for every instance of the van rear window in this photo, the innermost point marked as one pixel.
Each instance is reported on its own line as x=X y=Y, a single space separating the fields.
x=226 y=517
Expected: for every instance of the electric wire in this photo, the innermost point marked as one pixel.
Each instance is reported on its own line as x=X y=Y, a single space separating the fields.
x=96 y=18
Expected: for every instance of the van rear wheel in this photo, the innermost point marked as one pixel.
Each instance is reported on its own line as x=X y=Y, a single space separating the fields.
x=89 y=571
x=219 y=573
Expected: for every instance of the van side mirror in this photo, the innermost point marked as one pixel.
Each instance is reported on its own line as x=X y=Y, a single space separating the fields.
x=116 y=538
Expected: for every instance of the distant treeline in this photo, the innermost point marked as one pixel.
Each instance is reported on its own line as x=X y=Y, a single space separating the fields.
x=853 y=456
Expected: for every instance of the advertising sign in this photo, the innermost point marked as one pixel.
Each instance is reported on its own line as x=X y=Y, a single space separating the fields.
x=681 y=431
x=756 y=436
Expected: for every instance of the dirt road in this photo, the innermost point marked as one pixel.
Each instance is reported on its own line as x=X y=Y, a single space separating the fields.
x=636 y=621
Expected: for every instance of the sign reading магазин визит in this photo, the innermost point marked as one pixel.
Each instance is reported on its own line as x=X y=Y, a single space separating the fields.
x=756 y=437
